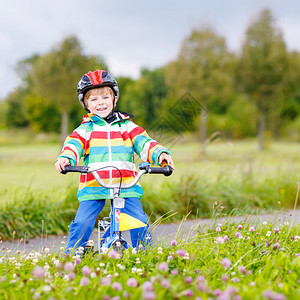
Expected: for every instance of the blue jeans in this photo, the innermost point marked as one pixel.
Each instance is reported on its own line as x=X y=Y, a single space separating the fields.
x=82 y=226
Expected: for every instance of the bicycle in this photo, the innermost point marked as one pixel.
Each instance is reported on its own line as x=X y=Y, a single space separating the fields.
x=112 y=225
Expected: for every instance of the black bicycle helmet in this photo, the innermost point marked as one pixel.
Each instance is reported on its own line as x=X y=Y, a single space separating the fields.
x=96 y=79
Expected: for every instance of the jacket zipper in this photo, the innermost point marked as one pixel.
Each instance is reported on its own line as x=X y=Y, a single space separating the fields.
x=109 y=159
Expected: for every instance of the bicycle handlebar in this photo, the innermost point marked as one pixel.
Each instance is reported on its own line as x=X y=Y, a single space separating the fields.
x=166 y=170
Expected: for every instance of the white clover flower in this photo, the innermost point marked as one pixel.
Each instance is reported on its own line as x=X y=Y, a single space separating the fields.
x=62 y=242
x=117 y=274
x=46 y=288
x=133 y=251
x=268 y=233
x=265 y=223
x=121 y=267
x=102 y=265
x=133 y=270
x=47 y=250
x=93 y=275
x=159 y=250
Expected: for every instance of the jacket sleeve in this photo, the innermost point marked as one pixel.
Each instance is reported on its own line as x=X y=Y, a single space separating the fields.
x=74 y=146
x=145 y=147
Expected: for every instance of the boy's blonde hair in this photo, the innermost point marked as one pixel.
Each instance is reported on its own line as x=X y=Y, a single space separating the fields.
x=101 y=90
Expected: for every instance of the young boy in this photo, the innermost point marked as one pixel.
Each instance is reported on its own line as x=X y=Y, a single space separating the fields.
x=105 y=138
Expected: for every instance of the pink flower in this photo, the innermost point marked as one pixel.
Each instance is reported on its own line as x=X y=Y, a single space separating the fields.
x=149 y=295
x=226 y=238
x=105 y=281
x=217 y=292
x=189 y=293
x=163 y=267
x=117 y=286
x=174 y=272
x=174 y=243
x=240 y=227
x=224 y=278
x=267 y=244
x=181 y=252
x=132 y=282
x=242 y=269
x=235 y=279
x=226 y=263
x=77 y=261
x=86 y=271
x=69 y=267
x=238 y=234
x=84 y=281
x=188 y=279
x=113 y=254
x=71 y=276
x=218 y=229
x=251 y=229
x=278 y=296
x=106 y=297
x=170 y=257
x=148 y=286
x=38 y=272
x=276 y=245
x=220 y=240
x=165 y=283
x=200 y=278
x=276 y=229
x=268 y=294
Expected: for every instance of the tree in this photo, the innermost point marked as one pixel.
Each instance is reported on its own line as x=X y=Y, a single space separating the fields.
x=262 y=66
x=203 y=70
x=56 y=74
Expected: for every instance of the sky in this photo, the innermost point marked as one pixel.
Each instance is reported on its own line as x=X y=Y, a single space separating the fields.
x=129 y=35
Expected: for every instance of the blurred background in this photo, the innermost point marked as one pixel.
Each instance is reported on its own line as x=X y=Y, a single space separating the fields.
x=217 y=82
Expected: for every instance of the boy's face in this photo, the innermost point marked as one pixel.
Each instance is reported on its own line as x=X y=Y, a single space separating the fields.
x=100 y=102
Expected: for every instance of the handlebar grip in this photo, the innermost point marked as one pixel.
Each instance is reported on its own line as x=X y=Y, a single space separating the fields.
x=79 y=169
x=166 y=170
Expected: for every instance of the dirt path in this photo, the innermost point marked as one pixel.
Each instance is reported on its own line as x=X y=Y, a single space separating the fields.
x=161 y=234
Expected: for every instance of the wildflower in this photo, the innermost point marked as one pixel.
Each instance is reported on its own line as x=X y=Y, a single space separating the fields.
x=113 y=254
x=116 y=298
x=148 y=286
x=86 y=271
x=77 y=260
x=189 y=293
x=251 y=229
x=173 y=243
x=165 y=283
x=46 y=288
x=133 y=251
x=276 y=245
x=149 y=295
x=242 y=269
x=252 y=283
x=200 y=278
x=218 y=229
x=217 y=292
x=226 y=263
x=174 y=272
x=267 y=244
x=226 y=238
x=68 y=267
x=181 y=252
x=238 y=234
x=265 y=223
x=71 y=276
x=47 y=250
x=170 y=257
x=268 y=233
x=220 y=240
x=132 y=282
x=121 y=267
x=224 y=278
x=105 y=281
x=235 y=279
x=297 y=254
x=38 y=272
x=276 y=229
x=117 y=286
x=163 y=267
x=159 y=250
x=240 y=227
x=188 y=279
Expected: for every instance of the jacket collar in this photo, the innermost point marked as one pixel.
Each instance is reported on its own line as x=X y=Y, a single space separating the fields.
x=119 y=116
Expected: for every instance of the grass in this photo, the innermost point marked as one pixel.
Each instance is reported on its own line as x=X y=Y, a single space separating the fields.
x=225 y=261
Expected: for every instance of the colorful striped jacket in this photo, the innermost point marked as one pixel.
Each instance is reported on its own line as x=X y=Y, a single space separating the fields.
x=102 y=144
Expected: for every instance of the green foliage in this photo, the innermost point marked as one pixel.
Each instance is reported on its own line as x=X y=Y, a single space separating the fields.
x=245 y=260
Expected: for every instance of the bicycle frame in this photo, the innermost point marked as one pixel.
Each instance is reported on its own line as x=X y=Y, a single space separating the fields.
x=113 y=235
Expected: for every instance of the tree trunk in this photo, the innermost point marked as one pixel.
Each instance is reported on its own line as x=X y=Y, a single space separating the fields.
x=64 y=125
x=261 y=130
x=203 y=130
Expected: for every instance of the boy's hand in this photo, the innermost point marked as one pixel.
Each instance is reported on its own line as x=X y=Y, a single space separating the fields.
x=61 y=163
x=165 y=157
